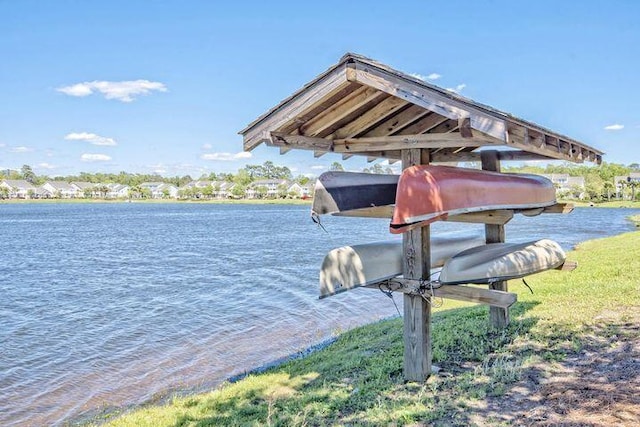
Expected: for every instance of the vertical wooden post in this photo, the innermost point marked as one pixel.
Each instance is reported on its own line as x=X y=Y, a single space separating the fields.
x=499 y=317
x=417 y=311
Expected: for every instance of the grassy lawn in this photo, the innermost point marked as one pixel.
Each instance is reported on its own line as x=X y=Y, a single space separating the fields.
x=570 y=355
x=611 y=204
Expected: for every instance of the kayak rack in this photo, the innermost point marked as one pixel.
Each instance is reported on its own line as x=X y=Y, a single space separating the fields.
x=362 y=107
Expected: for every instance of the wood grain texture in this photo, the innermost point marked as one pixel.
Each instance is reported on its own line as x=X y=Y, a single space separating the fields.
x=417 y=311
x=474 y=294
x=499 y=317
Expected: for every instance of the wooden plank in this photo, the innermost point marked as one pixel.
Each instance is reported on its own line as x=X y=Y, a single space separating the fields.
x=496 y=217
x=417 y=310
x=498 y=316
x=431 y=100
x=322 y=89
x=279 y=139
x=424 y=125
x=400 y=121
x=533 y=142
x=335 y=118
x=561 y=208
x=464 y=293
x=403 y=142
x=370 y=118
x=464 y=124
x=568 y=266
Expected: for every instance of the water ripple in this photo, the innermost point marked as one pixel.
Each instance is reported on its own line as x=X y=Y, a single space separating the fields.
x=114 y=304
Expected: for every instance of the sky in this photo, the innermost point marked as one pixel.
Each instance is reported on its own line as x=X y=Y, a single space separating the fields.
x=165 y=86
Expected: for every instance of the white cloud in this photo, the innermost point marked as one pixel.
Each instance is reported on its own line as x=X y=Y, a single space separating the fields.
x=458 y=88
x=319 y=167
x=2 y=144
x=432 y=76
x=95 y=158
x=124 y=91
x=91 y=138
x=46 y=166
x=616 y=126
x=226 y=157
x=21 y=149
x=207 y=146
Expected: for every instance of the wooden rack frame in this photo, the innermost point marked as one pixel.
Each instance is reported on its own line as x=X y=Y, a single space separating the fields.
x=362 y=107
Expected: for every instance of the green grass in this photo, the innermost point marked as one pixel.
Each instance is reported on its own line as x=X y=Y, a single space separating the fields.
x=635 y=219
x=358 y=380
x=610 y=204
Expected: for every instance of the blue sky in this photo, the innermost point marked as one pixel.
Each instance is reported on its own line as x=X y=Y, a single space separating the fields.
x=164 y=86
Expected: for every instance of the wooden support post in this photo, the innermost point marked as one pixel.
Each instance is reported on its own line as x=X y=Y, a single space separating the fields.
x=499 y=317
x=417 y=311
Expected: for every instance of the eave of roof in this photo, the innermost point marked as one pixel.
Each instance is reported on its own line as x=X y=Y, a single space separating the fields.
x=309 y=119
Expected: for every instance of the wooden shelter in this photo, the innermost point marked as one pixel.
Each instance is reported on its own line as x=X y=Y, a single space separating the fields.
x=362 y=107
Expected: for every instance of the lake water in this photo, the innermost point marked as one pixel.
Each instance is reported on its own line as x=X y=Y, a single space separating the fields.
x=107 y=305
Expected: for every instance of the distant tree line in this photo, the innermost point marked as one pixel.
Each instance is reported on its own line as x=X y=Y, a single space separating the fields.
x=599 y=182
x=599 y=179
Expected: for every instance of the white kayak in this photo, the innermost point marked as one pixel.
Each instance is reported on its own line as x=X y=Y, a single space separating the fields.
x=495 y=262
x=349 y=267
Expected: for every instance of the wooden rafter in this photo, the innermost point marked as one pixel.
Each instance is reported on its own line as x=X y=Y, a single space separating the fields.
x=359 y=97
x=399 y=121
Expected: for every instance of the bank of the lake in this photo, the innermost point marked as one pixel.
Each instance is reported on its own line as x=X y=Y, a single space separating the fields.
x=114 y=304
x=570 y=355
x=611 y=204
x=293 y=202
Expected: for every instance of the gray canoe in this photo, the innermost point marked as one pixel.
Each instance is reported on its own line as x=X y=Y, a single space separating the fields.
x=495 y=262
x=355 y=194
x=349 y=267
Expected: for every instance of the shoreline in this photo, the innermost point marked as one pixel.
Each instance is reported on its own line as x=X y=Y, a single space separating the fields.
x=161 y=201
x=356 y=366
x=578 y=204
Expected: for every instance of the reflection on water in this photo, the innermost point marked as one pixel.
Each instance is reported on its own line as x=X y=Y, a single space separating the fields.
x=112 y=304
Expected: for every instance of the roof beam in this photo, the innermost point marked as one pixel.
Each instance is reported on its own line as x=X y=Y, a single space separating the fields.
x=321 y=89
x=326 y=123
x=403 y=142
x=279 y=139
x=431 y=100
x=399 y=121
x=384 y=109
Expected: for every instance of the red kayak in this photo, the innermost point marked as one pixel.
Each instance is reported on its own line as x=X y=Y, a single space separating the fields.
x=428 y=193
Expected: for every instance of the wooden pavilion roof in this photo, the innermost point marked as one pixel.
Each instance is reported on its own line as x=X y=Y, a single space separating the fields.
x=362 y=107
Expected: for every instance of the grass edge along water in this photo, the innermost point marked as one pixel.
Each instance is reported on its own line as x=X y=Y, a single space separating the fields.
x=358 y=379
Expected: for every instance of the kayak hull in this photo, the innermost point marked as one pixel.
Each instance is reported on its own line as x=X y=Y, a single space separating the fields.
x=353 y=266
x=428 y=193
x=356 y=193
x=496 y=262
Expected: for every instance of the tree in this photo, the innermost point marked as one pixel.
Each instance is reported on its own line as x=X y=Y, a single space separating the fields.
x=238 y=191
x=377 y=169
x=336 y=166
x=243 y=177
x=633 y=185
x=207 y=191
x=28 y=174
x=282 y=191
x=261 y=191
x=608 y=187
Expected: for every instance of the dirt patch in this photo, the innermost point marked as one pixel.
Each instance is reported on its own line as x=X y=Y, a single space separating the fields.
x=599 y=385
